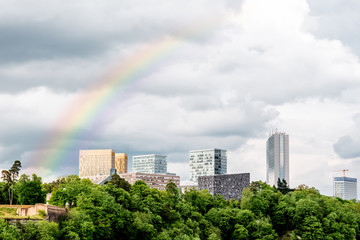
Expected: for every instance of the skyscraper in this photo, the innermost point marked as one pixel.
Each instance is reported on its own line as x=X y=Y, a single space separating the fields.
x=207 y=162
x=121 y=162
x=95 y=162
x=277 y=158
x=151 y=163
x=345 y=187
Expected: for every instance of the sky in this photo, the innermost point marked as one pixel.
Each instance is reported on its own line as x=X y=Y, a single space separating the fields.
x=237 y=70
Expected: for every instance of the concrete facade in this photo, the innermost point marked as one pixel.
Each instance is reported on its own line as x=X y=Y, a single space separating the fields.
x=228 y=185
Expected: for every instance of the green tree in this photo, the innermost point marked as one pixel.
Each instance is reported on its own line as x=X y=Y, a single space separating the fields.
x=7 y=232
x=69 y=191
x=29 y=231
x=46 y=187
x=77 y=225
x=201 y=201
x=119 y=182
x=4 y=195
x=48 y=230
x=172 y=194
x=110 y=219
x=29 y=191
x=282 y=186
x=10 y=178
x=240 y=232
x=311 y=228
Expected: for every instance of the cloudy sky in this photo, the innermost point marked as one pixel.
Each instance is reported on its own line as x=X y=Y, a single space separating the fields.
x=256 y=66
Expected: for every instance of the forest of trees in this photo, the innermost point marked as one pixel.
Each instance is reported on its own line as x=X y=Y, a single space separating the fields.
x=118 y=210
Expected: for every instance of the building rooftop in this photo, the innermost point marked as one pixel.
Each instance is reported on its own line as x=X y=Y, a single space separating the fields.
x=345 y=179
x=209 y=149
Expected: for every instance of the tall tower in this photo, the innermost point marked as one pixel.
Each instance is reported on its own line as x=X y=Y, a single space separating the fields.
x=207 y=162
x=277 y=158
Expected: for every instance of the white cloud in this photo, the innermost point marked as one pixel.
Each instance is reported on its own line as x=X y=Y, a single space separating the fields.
x=266 y=64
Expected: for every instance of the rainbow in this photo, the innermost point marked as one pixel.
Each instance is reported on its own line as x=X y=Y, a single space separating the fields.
x=85 y=110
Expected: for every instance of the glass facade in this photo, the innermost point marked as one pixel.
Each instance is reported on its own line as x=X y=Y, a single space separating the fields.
x=345 y=188
x=121 y=162
x=277 y=158
x=151 y=163
x=96 y=162
x=207 y=162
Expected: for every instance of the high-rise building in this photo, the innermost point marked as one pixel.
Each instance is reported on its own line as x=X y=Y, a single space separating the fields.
x=345 y=188
x=207 y=162
x=95 y=162
x=277 y=158
x=121 y=162
x=151 y=163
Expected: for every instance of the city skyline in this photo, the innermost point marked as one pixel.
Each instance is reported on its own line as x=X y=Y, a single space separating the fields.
x=165 y=79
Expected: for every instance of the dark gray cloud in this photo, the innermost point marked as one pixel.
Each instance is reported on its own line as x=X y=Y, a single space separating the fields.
x=26 y=42
x=347 y=147
x=43 y=36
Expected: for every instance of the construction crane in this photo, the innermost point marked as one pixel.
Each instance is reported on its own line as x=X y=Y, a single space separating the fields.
x=341 y=170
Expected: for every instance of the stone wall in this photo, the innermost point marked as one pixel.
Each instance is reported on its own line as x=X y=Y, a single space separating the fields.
x=53 y=213
x=228 y=185
x=31 y=210
x=15 y=222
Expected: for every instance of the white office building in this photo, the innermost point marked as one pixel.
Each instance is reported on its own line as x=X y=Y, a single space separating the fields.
x=151 y=163
x=277 y=158
x=207 y=162
x=345 y=188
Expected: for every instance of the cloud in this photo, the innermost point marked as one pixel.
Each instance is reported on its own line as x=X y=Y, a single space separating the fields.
x=346 y=147
x=336 y=20
x=86 y=28
x=265 y=64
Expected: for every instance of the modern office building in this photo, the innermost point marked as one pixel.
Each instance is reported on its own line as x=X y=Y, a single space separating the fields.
x=345 y=188
x=151 y=163
x=207 y=162
x=277 y=158
x=95 y=162
x=121 y=162
x=230 y=186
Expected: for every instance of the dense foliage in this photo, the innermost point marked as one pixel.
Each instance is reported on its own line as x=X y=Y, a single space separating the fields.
x=25 y=190
x=114 y=211
x=10 y=178
x=110 y=212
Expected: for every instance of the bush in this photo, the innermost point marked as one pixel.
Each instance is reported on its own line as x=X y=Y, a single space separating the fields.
x=42 y=213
